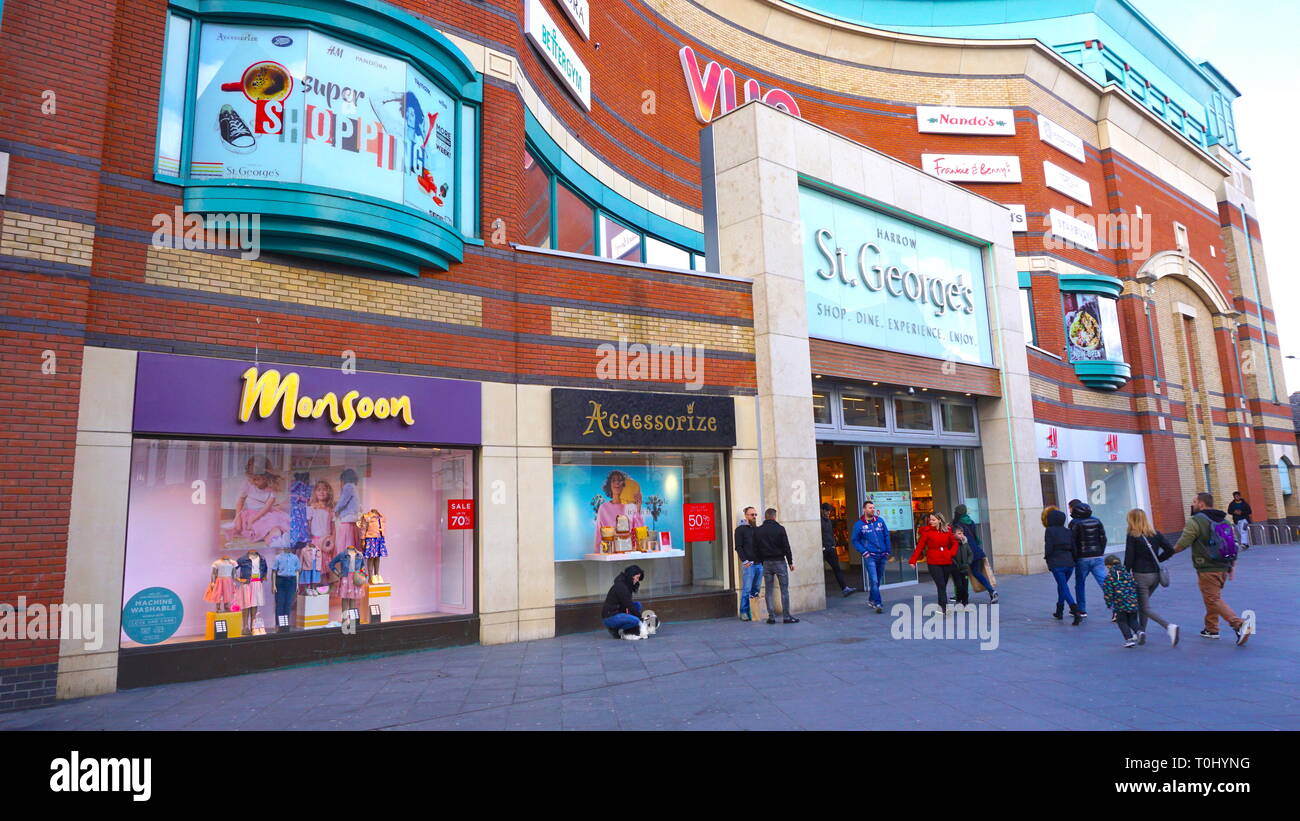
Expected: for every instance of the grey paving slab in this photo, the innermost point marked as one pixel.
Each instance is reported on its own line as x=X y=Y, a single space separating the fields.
x=840 y=668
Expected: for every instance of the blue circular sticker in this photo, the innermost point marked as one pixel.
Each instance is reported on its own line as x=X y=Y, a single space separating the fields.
x=282 y=41
x=152 y=615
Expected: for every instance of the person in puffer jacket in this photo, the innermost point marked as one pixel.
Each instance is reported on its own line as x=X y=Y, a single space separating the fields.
x=938 y=544
x=1089 y=549
x=1058 y=552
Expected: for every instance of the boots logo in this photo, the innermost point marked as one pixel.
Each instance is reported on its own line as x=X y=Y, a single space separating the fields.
x=715 y=84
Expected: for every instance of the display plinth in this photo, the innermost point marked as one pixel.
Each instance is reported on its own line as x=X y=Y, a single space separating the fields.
x=234 y=624
x=312 y=612
x=632 y=555
x=380 y=594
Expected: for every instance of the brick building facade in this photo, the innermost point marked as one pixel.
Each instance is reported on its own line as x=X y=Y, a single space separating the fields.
x=86 y=281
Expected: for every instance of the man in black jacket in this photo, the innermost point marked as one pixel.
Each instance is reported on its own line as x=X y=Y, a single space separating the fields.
x=1089 y=548
x=772 y=547
x=621 y=614
x=1239 y=510
x=751 y=572
x=828 y=550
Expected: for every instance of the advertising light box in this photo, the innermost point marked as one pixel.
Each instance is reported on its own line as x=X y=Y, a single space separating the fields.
x=878 y=281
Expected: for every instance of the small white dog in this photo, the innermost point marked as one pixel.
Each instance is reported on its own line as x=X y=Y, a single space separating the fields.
x=649 y=626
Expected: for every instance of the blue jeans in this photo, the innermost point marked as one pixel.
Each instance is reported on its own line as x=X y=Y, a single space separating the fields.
x=1095 y=567
x=285 y=589
x=625 y=621
x=750 y=579
x=1062 y=576
x=977 y=571
x=875 y=567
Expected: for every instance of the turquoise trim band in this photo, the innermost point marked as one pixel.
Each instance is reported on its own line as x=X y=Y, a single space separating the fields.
x=326 y=224
x=1025 y=279
x=1104 y=375
x=386 y=27
x=605 y=198
x=1091 y=284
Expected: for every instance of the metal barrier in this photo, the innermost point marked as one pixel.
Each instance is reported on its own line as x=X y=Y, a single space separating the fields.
x=1270 y=534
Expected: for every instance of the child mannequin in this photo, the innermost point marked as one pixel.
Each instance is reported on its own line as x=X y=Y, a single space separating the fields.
x=345 y=564
x=284 y=583
x=371 y=527
x=250 y=574
x=222 y=590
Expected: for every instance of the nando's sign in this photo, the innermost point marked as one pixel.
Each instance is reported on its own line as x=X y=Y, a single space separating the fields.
x=602 y=419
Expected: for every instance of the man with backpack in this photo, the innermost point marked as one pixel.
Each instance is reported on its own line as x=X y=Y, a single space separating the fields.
x=1214 y=552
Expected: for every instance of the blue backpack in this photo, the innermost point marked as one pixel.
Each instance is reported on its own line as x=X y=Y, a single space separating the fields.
x=1223 y=542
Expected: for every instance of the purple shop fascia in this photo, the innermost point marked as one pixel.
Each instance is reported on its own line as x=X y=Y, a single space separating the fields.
x=197 y=396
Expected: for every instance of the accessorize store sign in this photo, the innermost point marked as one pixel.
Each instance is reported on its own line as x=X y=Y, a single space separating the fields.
x=715 y=85
x=880 y=282
x=1057 y=137
x=602 y=419
x=1058 y=179
x=298 y=106
x=972 y=167
x=193 y=395
x=559 y=55
x=950 y=120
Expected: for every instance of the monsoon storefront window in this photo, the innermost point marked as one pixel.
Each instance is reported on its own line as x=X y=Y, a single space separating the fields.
x=328 y=125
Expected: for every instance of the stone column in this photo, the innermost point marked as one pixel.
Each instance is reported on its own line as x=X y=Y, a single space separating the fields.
x=97 y=518
x=516 y=568
x=756 y=208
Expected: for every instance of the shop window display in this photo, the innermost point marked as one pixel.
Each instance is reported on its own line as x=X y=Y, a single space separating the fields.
x=634 y=504
x=270 y=537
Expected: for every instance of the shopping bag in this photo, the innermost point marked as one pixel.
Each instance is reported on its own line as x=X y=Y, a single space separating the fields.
x=988 y=572
x=975 y=585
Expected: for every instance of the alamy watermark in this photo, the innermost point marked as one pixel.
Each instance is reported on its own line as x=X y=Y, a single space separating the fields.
x=1131 y=232
x=931 y=622
x=66 y=621
x=654 y=362
x=208 y=232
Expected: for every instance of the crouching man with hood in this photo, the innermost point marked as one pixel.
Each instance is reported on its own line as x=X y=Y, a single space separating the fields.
x=621 y=614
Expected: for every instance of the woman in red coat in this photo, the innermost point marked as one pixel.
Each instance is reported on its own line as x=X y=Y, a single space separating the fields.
x=938 y=544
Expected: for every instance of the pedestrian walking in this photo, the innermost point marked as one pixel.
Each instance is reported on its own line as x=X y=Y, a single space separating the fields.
x=1144 y=551
x=961 y=565
x=937 y=545
x=1089 y=548
x=828 y=550
x=1239 y=510
x=1120 y=593
x=961 y=516
x=1058 y=552
x=772 y=547
x=751 y=569
x=1214 y=555
x=871 y=540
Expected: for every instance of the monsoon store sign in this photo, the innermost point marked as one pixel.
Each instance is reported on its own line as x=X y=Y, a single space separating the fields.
x=199 y=396
x=881 y=282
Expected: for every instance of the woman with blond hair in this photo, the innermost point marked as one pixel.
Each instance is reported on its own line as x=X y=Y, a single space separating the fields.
x=1144 y=550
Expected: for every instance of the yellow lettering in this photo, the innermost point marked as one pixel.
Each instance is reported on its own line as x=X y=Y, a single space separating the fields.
x=713 y=423
x=304 y=407
x=349 y=413
x=381 y=408
x=266 y=392
x=401 y=406
x=365 y=407
x=331 y=402
x=596 y=419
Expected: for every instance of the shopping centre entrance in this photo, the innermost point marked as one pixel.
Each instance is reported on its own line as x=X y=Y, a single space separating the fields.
x=911 y=456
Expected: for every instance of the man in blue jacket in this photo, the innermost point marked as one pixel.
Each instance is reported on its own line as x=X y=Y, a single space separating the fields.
x=871 y=540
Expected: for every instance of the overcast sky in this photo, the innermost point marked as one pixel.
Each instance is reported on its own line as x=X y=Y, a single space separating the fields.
x=1251 y=42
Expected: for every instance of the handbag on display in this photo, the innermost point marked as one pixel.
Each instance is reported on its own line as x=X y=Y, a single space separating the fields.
x=1164 y=571
x=359 y=578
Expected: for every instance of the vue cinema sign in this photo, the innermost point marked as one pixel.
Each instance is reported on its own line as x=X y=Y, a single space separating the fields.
x=715 y=85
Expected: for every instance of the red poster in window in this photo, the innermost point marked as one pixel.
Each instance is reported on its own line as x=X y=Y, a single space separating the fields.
x=700 y=524
x=460 y=514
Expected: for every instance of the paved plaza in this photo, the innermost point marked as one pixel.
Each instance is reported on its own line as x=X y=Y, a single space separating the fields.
x=839 y=669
